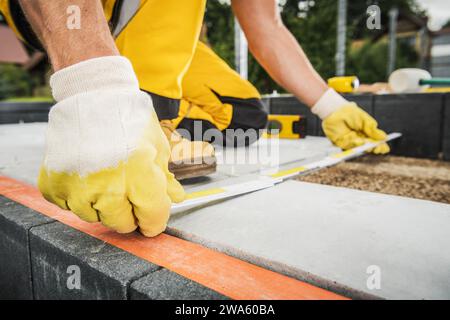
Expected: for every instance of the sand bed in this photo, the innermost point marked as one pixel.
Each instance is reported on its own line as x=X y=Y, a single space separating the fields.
x=408 y=177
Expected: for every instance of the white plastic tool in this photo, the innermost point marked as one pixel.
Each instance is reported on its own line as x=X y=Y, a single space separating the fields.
x=414 y=81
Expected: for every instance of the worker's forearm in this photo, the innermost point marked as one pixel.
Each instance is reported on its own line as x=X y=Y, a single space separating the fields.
x=65 y=45
x=277 y=50
x=283 y=58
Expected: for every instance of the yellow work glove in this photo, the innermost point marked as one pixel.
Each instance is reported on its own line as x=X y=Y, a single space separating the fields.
x=107 y=158
x=347 y=125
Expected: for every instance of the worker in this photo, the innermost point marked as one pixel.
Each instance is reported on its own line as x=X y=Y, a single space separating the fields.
x=120 y=97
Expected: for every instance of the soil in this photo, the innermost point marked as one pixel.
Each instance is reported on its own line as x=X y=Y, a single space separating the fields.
x=408 y=177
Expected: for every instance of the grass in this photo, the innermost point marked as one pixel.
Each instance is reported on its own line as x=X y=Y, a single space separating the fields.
x=29 y=99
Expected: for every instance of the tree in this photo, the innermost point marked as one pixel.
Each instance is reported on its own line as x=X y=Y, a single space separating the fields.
x=313 y=23
x=369 y=62
x=447 y=24
x=357 y=12
x=14 y=82
x=314 y=26
x=220 y=23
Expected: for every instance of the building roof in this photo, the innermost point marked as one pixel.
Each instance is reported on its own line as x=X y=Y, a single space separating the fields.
x=11 y=50
x=35 y=60
x=442 y=32
x=407 y=23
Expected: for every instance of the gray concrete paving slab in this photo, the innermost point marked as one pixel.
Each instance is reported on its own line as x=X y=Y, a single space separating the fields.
x=15 y=265
x=332 y=237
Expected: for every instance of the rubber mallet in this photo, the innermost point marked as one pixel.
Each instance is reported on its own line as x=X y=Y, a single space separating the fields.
x=414 y=80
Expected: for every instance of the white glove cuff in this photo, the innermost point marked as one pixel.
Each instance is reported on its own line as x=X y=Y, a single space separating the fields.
x=104 y=73
x=328 y=103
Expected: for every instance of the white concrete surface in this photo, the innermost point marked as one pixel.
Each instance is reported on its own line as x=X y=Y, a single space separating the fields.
x=21 y=150
x=268 y=153
x=331 y=236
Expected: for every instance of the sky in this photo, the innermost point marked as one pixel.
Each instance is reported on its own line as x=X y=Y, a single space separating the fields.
x=439 y=11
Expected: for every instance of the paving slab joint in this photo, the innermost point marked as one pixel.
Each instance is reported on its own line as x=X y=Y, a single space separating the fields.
x=137 y=278
x=165 y=284
x=29 y=254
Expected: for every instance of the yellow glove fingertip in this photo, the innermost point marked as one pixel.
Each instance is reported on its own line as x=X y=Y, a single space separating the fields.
x=153 y=232
x=382 y=149
x=58 y=201
x=175 y=190
x=378 y=134
x=178 y=195
x=46 y=191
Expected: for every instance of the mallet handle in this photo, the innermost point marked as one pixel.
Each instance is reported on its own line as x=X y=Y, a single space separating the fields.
x=435 y=81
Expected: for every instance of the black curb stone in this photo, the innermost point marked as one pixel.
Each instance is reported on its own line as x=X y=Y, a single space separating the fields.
x=424 y=119
x=167 y=285
x=446 y=129
x=40 y=256
x=17 y=112
x=15 y=265
x=419 y=117
x=105 y=271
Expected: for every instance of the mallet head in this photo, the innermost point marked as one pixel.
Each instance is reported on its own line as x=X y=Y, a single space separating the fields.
x=408 y=80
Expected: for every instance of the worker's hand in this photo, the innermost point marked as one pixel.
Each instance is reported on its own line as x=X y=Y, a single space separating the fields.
x=107 y=157
x=347 y=125
x=350 y=126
